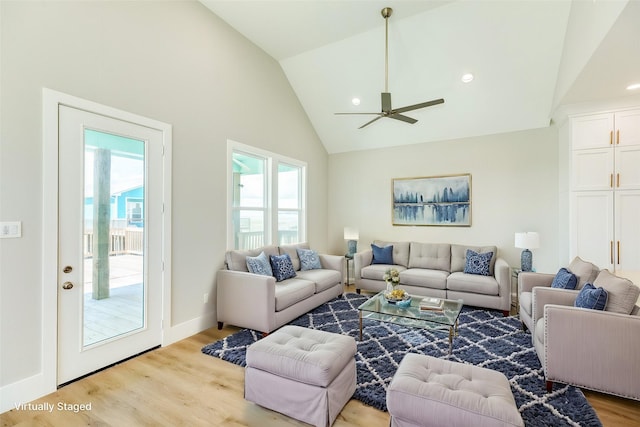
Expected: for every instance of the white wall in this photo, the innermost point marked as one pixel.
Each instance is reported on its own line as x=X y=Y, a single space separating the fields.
x=514 y=188
x=175 y=62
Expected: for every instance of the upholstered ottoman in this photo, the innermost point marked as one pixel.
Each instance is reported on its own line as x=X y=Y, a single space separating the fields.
x=427 y=391
x=304 y=373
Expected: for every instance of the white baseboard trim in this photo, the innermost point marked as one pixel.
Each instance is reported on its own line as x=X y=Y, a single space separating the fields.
x=23 y=391
x=188 y=328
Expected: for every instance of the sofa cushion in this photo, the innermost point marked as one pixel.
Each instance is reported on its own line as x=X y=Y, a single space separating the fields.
x=291 y=291
x=434 y=279
x=586 y=272
x=472 y=283
x=382 y=255
x=564 y=280
x=292 y=250
x=434 y=256
x=459 y=256
x=591 y=297
x=309 y=259
x=259 y=265
x=282 y=267
x=477 y=263
x=376 y=271
x=323 y=279
x=623 y=294
x=237 y=260
x=400 y=251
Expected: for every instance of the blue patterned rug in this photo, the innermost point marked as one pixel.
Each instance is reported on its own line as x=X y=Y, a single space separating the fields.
x=486 y=339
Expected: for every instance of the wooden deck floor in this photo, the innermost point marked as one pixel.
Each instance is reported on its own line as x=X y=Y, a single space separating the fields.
x=123 y=311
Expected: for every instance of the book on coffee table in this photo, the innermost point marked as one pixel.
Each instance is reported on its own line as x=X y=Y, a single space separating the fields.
x=430 y=303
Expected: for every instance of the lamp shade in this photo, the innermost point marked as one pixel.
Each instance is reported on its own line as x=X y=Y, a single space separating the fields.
x=527 y=240
x=351 y=233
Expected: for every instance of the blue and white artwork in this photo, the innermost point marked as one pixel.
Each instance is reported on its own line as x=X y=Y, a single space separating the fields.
x=438 y=200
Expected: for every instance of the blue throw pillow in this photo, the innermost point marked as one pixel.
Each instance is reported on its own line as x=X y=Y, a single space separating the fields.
x=259 y=265
x=382 y=255
x=564 y=280
x=592 y=297
x=282 y=267
x=478 y=263
x=309 y=259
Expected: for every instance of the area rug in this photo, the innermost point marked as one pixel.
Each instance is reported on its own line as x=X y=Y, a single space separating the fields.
x=485 y=338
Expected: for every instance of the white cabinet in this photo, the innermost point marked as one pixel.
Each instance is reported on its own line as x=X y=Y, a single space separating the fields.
x=605 y=189
x=606 y=151
x=592 y=227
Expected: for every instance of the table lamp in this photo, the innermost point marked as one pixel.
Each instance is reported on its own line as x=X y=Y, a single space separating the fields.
x=351 y=236
x=527 y=240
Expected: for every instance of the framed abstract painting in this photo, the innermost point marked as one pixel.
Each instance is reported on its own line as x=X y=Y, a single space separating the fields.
x=433 y=200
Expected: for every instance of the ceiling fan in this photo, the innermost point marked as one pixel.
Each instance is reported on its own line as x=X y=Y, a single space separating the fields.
x=387 y=110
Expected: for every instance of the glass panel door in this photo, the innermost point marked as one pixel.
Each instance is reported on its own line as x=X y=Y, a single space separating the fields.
x=114 y=236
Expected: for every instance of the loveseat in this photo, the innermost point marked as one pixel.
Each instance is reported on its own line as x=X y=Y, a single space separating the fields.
x=474 y=274
x=592 y=348
x=257 y=300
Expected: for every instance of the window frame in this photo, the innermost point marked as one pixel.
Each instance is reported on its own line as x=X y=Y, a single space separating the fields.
x=271 y=208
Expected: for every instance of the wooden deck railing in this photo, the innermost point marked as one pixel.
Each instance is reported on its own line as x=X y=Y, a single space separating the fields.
x=123 y=241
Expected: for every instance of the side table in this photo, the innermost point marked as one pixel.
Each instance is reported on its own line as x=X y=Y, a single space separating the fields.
x=515 y=291
x=349 y=259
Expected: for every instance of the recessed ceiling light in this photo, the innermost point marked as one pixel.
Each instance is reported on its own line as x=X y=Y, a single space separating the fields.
x=466 y=78
x=355 y=101
x=633 y=86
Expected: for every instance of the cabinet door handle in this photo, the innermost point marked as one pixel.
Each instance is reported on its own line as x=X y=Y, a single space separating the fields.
x=618 y=252
x=611 y=137
x=611 y=251
x=618 y=136
x=617 y=180
x=611 y=180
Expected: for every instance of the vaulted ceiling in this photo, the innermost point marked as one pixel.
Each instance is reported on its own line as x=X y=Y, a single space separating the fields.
x=528 y=58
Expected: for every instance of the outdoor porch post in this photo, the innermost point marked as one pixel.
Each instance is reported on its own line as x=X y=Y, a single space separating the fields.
x=101 y=222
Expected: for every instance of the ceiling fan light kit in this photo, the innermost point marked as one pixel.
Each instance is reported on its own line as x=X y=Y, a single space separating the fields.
x=385 y=97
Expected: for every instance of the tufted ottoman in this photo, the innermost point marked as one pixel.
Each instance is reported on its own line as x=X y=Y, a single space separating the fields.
x=304 y=373
x=427 y=391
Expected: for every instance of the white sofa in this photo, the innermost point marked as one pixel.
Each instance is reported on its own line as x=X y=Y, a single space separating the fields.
x=437 y=269
x=260 y=303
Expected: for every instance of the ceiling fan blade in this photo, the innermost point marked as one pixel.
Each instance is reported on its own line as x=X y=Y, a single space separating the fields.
x=386 y=101
x=417 y=106
x=370 y=121
x=342 y=114
x=402 y=118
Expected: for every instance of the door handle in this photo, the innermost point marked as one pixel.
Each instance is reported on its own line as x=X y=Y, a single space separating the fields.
x=67 y=285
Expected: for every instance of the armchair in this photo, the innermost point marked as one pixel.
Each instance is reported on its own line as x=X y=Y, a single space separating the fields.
x=593 y=349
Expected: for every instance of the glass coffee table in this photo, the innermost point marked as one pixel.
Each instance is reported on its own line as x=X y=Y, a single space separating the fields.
x=377 y=308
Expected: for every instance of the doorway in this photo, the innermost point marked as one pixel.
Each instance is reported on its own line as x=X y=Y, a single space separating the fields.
x=112 y=234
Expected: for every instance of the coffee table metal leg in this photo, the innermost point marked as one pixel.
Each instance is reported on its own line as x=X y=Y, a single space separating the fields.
x=360 y=317
x=450 y=339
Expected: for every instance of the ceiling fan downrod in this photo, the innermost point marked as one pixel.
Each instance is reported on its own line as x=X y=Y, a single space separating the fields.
x=386 y=13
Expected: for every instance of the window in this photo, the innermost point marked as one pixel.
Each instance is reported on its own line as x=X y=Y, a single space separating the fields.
x=266 y=198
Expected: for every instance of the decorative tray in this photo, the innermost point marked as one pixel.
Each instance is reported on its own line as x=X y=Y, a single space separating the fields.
x=400 y=302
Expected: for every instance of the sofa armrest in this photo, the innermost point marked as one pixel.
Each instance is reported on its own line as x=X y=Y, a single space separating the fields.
x=245 y=299
x=543 y=296
x=361 y=260
x=502 y=274
x=594 y=349
x=527 y=280
x=332 y=262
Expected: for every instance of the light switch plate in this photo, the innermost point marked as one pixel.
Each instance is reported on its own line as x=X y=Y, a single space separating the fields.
x=10 y=229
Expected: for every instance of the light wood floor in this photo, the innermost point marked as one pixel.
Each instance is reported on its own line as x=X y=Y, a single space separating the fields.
x=179 y=386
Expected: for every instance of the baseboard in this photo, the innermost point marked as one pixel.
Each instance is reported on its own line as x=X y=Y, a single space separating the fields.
x=23 y=391
x=186 y=329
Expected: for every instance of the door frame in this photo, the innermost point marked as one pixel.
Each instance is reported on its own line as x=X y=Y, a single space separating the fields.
x=50 y=101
